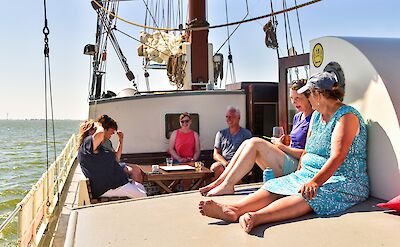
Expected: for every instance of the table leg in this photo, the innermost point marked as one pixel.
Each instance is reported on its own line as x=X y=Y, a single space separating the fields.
x=163 y=186
x=196 y=185
x=173 y=184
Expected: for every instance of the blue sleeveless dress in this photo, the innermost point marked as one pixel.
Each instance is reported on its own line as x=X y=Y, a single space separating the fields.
x=347 y=187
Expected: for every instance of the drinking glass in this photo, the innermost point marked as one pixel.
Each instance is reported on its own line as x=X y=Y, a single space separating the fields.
x=198 y=165
x=169 y=161
x=277 y=132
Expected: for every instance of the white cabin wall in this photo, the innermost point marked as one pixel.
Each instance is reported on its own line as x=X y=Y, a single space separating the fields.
x=373 y=89
x=142 y=118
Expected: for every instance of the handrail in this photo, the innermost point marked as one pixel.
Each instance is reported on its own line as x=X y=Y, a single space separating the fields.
x=10 y=217
x=33 y=210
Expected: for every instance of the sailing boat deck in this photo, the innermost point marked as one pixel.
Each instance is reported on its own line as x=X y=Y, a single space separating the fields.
x=173 y=220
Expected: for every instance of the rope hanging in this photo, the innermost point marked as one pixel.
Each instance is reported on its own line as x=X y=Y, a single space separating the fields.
x=236 y=28
x=231 y=66
x=47 y=84
x=301 y=37
x=161 y=46
x=210 y=27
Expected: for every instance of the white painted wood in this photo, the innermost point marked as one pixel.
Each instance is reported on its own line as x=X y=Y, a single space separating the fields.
x=142 y=118
x=371 y=67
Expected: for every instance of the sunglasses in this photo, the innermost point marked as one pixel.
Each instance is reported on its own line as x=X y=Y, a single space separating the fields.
x=185 y=121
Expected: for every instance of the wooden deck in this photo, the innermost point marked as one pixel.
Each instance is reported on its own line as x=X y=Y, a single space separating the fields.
x=173 y=220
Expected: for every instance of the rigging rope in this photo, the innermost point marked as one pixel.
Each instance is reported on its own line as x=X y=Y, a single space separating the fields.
x=155 y=24
x=298 y=22
x=272 y=35
x=209 y=27
x=47 y=83
x=288 y=22
x=301 y=37
x=270 y=32
x=231 y=66
x=286 y=33
x=236 y=28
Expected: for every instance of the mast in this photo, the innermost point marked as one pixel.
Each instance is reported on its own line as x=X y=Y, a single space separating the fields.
x=198 y=41
x=104 y=29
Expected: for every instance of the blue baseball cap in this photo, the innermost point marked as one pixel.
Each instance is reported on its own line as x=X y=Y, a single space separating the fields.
x=323 y=80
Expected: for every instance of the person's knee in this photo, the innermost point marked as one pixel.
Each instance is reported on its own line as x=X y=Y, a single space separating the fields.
x=136 y=174
x=217 y=168
x=253 y=142
x=258 y=143
x=126 y=169
x=245 y=142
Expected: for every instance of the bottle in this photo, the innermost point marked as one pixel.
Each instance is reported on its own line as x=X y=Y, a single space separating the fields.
x=268 y=174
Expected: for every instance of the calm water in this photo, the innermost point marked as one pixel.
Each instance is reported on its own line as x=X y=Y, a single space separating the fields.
x=23 y=160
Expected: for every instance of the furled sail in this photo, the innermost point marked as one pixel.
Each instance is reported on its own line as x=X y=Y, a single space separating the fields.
x=164 y=48
x=159 y=46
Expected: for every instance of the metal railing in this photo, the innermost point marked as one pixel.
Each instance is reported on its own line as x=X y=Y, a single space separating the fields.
x=36 y=208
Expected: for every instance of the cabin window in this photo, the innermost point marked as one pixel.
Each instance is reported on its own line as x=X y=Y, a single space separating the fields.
x=172 y=123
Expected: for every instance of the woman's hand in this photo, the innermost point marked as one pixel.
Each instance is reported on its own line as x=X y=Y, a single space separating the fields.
x=278 y=142
x=97 y=124
x=120 y=135
x=309 y=190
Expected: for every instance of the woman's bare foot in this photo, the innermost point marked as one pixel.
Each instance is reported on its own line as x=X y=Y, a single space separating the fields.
x=207 y=188
x=222 y=189
x=216 y=210
x=247 y=222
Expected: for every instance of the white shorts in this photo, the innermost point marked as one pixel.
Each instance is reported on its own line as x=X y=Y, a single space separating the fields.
x=131 y=190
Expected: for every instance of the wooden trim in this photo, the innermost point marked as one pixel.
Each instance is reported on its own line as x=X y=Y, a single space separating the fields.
x=159 y=157
x=284 y=64
x=250 y=108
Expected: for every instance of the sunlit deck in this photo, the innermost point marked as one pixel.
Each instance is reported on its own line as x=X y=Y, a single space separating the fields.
x=173 y=220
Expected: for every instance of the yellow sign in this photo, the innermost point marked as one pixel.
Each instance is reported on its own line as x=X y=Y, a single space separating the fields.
x=318 y=55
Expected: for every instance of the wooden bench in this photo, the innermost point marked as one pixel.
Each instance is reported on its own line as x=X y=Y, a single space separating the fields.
x=85 y=196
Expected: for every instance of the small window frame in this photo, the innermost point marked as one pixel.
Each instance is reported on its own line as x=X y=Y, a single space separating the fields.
x=171 y=123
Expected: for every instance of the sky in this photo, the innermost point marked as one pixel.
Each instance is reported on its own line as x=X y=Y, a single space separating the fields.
x=72 y=25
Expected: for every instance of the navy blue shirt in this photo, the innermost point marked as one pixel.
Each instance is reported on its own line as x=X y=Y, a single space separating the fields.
x=102 y=168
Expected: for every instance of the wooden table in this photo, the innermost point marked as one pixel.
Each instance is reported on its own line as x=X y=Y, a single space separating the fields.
x=167 y=180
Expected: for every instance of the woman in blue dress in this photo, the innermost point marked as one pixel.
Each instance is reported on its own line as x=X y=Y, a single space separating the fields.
x=331 y=176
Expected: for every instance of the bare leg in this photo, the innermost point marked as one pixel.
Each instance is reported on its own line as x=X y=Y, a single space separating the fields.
x=221 y=178
x=231 y=213
x=282 y=209
x=257 y=151
x=134 y=172
x=218 y=168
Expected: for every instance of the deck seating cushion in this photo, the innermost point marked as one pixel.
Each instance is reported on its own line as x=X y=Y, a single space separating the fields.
x=392 y=204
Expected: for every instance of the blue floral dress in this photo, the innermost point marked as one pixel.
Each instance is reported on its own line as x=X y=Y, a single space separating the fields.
x=347 y=186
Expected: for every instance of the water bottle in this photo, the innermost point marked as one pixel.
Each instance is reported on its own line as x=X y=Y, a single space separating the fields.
x=268 y=174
